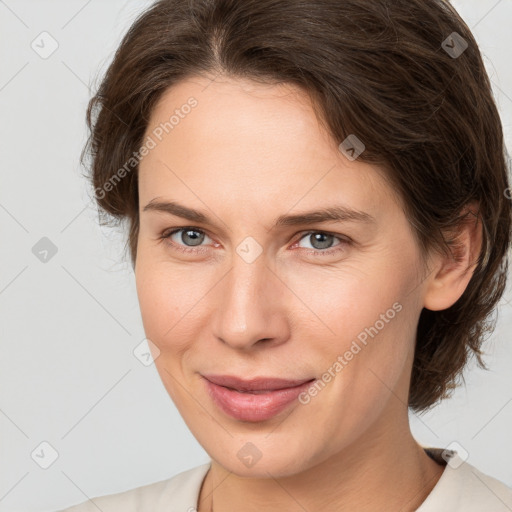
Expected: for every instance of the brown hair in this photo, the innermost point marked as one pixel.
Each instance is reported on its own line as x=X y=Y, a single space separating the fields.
x=391 y=72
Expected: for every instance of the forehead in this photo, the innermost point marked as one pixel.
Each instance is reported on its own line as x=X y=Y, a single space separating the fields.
x=239 y=113
x=248 y=139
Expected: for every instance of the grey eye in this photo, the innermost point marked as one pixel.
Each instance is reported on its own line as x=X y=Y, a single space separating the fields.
x=320 y=240
x=188 y=237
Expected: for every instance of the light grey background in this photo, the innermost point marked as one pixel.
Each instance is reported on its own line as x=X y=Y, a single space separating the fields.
x=69 y=326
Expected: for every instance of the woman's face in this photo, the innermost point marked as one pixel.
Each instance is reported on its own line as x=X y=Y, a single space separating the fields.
x=242 y=294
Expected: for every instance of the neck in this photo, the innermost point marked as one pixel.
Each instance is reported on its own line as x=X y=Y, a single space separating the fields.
x=382 y=470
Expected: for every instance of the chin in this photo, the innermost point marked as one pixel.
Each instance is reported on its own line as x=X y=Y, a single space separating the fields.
x=252 y=460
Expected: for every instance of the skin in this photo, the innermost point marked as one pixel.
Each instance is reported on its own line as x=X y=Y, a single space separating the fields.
x=245 y=155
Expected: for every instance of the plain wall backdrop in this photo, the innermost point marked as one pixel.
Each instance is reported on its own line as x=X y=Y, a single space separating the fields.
x=73 y=396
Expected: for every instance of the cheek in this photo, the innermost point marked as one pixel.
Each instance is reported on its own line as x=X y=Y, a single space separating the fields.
x=342 y=302
x=159 y=300
x=169 y=299
x=166 y=306
x=369 y=319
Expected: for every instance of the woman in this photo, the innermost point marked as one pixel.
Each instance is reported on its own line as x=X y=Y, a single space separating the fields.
x=318 y=214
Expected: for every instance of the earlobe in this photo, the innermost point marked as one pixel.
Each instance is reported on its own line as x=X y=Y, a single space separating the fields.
x=452 y=272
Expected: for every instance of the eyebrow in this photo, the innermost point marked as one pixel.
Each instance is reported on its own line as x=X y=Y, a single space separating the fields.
x=334 y=213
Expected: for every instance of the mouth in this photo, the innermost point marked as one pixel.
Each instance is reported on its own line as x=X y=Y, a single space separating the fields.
x=255 y=400
x=255 y=385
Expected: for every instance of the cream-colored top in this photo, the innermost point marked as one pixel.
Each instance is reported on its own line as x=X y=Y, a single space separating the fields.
x=461 y=488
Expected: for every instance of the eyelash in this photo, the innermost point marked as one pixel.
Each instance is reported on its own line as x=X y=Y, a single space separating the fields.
x=201 y=249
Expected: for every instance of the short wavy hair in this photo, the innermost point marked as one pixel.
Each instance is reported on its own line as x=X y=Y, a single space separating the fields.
x=405 y=76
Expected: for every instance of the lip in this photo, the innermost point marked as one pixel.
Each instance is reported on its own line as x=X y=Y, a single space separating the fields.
x=256 y=384
x=253 y=400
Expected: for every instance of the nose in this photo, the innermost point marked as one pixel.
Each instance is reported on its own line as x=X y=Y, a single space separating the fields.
x=250 y=307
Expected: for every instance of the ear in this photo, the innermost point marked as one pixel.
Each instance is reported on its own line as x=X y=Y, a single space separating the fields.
x=451 y=274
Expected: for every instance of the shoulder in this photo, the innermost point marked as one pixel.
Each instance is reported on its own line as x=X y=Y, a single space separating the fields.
x=181 y=490
x=462 y=487
x=487 y=490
